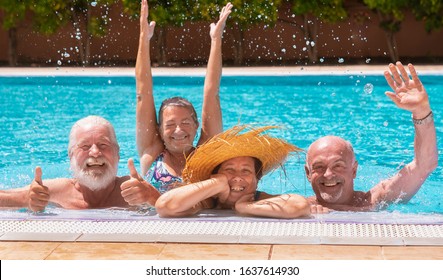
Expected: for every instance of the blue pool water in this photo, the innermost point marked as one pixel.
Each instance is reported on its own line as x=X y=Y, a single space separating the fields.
x=36 y=114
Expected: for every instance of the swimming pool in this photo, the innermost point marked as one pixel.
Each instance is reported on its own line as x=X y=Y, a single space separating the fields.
x=37 y=112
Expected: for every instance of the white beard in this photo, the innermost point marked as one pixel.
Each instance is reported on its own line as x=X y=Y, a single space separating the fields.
x=331 y=198
x=95 y=181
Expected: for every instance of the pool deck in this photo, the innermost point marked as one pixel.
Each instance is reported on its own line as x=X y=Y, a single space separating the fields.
x=200 y=71
x=28 y=250
x=187 y=251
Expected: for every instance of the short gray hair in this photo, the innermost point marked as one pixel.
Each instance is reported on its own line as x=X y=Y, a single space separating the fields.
x=96 y=121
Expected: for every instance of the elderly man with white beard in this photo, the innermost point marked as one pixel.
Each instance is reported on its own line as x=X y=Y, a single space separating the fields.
x=94 y=155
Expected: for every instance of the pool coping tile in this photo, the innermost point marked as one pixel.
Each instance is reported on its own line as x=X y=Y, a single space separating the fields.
x=39 y=236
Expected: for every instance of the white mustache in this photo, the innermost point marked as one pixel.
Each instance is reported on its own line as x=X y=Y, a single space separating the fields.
x=92 y=179
x=95 y=162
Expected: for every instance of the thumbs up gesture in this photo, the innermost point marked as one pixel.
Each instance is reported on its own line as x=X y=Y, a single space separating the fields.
x=137 y=191
x=38 y=194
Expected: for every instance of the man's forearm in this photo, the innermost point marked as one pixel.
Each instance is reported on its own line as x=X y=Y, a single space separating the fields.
x=13 y=198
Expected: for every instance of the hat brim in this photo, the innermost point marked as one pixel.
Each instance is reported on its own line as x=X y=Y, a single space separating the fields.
x=271 y=151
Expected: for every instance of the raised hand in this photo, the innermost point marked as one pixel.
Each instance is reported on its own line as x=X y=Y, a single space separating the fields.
x=137 y=191
x=38 y=194
x=146 y=27
x=217 y=29
x=409 y=94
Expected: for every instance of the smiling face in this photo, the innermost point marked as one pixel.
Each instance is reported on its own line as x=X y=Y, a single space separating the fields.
x=94 y=156
x=331 y=169
x=178 y=129
x=242 y=178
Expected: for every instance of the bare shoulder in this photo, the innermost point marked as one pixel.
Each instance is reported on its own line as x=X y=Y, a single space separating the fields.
x=58 y=184
x=380 y=191
x=362 y=199
x=121 y=180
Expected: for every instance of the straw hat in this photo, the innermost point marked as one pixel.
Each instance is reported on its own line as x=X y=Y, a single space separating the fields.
x=271 y=151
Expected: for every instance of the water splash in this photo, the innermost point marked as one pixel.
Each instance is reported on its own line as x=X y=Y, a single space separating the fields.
x=368 y=88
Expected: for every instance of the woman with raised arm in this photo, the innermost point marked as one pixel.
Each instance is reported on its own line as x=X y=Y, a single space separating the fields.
x=164 y=145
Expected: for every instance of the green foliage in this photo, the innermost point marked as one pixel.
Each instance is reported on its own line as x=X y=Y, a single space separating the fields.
x=13 y=12
x=392 y=12
x=392 y=8
x=326 y=10
x=429 y=11
x=131 y=7
x=175 y=13
x=50 y=15
x=96 y=27
x=252 y=12
x=163 y=12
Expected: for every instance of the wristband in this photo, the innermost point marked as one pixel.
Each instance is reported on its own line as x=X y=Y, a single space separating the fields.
x=425 y=120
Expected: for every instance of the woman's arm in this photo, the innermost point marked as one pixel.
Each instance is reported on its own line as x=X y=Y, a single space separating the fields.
x=149 y=143
x=211 y=111
x=286 y=206
x=190 y=199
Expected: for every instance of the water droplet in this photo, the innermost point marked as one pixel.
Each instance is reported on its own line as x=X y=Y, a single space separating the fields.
x=341 y=60
x=368 y=60
x=322 y=60
x=368 y=88
x=59 y=62
x=109 y=82
x=93 y=4
x=283 y=50
x=385 y=123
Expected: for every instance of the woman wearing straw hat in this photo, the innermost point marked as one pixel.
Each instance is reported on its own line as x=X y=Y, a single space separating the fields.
x=162 y=146
x=224 y=172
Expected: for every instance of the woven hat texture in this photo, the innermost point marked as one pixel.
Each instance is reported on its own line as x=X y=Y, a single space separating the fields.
x=242 y=140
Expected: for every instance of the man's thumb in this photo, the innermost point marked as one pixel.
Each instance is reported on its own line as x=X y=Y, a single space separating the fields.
x=38 y=175
x=132 y=171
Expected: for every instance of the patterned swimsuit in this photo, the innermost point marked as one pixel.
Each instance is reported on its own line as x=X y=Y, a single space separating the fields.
x=159 y=177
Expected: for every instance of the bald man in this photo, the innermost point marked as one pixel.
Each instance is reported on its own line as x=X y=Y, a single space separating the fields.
x=331 y=166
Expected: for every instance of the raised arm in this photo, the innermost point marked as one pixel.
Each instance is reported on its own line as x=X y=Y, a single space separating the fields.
x=409 y=94
x=211 y=112
x=190 y=199
x=149 y=143
x=287 y=206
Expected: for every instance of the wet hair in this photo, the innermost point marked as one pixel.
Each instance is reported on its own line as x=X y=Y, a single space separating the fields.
x=257 y=165
x=91 y=120
x=180 y=102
